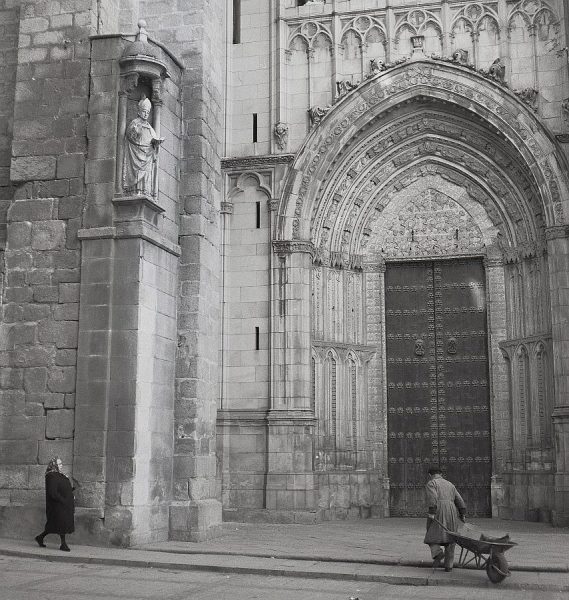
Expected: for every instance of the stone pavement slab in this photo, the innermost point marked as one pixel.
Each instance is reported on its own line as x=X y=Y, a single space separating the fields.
x=394 y=541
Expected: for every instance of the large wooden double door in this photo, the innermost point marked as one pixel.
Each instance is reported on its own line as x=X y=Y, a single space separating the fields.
x=437 y=382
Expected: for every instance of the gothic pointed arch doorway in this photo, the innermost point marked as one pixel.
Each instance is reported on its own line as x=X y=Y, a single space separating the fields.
x=425 y=162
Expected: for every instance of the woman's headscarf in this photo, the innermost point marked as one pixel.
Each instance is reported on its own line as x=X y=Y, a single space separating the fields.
x=52 y=466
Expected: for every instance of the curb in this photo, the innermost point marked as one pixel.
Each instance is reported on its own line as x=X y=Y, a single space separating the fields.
x=418 y=580
x=422 y=564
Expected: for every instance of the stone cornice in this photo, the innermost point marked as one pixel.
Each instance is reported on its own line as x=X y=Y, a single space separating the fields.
x=253 y=162
x=252 y=417
x=126 y=230
x=277 y=417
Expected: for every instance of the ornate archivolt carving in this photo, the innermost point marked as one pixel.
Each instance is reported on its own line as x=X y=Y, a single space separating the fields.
x=352 y=188
x=462 y=89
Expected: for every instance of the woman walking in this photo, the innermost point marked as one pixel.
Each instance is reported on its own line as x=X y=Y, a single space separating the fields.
x=59 y=504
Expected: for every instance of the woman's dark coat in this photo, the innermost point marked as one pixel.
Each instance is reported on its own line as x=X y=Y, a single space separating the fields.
x=59 y=504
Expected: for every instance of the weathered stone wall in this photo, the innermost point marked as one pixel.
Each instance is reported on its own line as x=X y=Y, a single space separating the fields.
x=9 y=27
x=41 y=295
x=192 y=31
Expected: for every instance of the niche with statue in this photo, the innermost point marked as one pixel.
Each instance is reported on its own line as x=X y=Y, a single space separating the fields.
x=142 y=77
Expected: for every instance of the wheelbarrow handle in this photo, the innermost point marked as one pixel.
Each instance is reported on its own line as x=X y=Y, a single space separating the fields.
x=445 y=528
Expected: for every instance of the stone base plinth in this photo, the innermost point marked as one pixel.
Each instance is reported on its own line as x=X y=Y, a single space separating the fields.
x=21 y=522
x=259 y=515
x=195 y=521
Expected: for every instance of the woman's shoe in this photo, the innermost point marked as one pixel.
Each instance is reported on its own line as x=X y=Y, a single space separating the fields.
x=39 y=540
x=65 y=548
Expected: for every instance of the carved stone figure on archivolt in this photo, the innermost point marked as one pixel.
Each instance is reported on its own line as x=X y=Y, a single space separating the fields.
x=141 y=145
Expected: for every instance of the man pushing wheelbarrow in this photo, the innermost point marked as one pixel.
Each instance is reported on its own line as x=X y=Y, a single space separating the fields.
x=446 y=509
x=444 y=530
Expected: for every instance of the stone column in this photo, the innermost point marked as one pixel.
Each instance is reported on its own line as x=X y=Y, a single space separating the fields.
x=290 y=477
x=558 y=255
x=390 y=26
x=500 y=409
x=377 y=383
x=226 y=212
x=446 y=20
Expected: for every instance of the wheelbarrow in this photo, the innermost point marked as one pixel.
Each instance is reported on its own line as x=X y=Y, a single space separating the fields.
x=483 y=552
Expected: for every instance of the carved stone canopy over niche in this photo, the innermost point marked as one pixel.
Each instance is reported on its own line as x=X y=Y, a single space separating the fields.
x=140 y=58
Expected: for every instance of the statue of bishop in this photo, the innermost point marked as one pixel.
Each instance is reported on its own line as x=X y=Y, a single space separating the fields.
x=140 y=153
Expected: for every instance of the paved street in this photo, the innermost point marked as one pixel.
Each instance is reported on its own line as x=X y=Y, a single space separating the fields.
x=30 y=579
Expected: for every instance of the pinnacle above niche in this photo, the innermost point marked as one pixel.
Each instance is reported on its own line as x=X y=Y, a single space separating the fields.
x=142 y=57
x=140 y=47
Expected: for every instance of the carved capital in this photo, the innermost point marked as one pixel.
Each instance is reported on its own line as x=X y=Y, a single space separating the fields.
x=273 y=204
x=128 y=82
x=226 y=208
x=493 y=261
x=556 y=232
x=284 y=247
x=157 y=89
x=379 y=266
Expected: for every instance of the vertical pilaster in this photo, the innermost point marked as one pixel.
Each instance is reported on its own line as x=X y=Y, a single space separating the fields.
x=390 y=26
x=226 y=212
x=290 y=477
x=558 y=255
x=504 y=34
x=500 y=408
x=446 y=20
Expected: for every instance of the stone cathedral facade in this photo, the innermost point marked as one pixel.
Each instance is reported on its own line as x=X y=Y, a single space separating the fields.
x=341 y=257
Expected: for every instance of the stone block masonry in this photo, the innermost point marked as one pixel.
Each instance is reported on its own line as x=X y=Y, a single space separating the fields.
x=44 y=67
x=9 y=26
x=196 y=512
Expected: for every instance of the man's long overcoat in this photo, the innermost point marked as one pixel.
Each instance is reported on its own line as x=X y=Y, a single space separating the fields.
x=447 y=504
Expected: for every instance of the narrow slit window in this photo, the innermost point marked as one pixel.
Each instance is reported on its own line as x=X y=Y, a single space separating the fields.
x=254 y=127
x=258 y=215
x=257 y=339
x=236 y=21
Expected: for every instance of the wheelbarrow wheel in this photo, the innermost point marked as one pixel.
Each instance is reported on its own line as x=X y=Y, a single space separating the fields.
x=497 y=567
